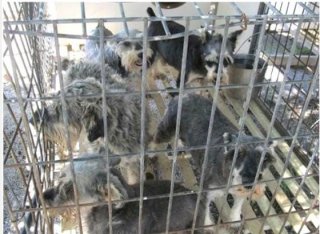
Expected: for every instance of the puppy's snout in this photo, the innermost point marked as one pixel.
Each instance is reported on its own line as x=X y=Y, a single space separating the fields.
x=140 y=55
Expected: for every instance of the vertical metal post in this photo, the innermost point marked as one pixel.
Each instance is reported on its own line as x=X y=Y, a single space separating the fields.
x=125 y=24
x=26 y=125
x=281 y=91
x=212 y=114
x=65 y=122
x=181 y=91
x=164 y=23
x=246 y=107
x=83 y=16
x=143 y=117
x=312 y=159
x=105 y=119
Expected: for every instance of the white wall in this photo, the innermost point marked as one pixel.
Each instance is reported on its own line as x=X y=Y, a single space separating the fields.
x=250 y=9
x=68 y=10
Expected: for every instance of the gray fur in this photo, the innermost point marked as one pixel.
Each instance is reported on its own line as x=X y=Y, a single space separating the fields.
x=92 y=46
x=91 y=177
x=194 y=124
x=123 y=114
x=120 y=52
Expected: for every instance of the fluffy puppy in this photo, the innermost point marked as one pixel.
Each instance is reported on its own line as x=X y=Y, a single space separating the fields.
x=193 y=132
x=92 y=46
x=91 y=178
x=120 y=52
x=202 y=55
x=84 y=69
x=86 y=114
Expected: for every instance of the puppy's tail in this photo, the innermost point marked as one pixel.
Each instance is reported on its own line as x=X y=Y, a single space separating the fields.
x=150 y=12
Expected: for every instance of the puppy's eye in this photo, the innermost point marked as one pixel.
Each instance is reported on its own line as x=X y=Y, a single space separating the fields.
x=210 y=63
x=126 y=43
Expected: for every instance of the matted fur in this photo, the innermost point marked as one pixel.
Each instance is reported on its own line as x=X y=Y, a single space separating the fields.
x=194 y=125
x=91 y=178
x=120 y=52
x=86 y=114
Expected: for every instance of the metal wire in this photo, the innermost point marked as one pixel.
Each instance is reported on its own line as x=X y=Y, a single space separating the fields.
x=210 y=128
x=105 y=122
x=20 y=32
x=177 y=130
x=300 y=187
x=245 y=108
x=278 y=103
x=65 y=122
x=143 y=118
x=26 y=125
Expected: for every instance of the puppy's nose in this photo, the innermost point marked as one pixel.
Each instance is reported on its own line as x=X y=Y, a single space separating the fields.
x=140 y=55
x=49 y=195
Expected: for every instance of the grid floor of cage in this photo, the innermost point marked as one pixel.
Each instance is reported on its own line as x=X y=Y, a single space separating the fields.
x=297 y=206
x=256 y=123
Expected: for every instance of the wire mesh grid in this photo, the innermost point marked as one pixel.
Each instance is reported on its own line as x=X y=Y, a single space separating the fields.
x=285 y=35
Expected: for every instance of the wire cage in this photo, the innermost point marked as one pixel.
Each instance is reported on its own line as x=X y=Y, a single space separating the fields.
x=285 y=108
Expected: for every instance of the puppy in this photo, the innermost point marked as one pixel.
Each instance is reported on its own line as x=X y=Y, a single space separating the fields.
x=202 y=55
x=193 y=132
x=92 y=46
x=91 y=178
x=121 y=53
x=86 y=114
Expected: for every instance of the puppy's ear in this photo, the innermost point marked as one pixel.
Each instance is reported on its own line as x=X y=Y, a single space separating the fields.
x=233 y=37
x=205 y=36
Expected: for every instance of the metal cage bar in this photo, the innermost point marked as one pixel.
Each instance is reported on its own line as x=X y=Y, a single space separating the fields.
x=41 y=156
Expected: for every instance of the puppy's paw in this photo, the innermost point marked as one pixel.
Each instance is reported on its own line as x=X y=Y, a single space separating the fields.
x=235 y=217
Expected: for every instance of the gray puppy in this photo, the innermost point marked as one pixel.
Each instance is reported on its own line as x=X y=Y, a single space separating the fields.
x=91 y=178
x=86 y=114
x=121 y=53
x=194 y=125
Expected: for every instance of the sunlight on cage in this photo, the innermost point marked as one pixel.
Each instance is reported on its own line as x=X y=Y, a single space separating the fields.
x=65 y=132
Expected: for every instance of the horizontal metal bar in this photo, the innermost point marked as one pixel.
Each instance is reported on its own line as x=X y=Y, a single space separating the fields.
x=154 y=38
x=187 y=89
x=180 y=149
x=154 y=197
x=173 y=18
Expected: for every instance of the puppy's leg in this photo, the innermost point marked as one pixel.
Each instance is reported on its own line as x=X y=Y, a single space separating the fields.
x=235 y=213
x=167 y=126
x=130 y=169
